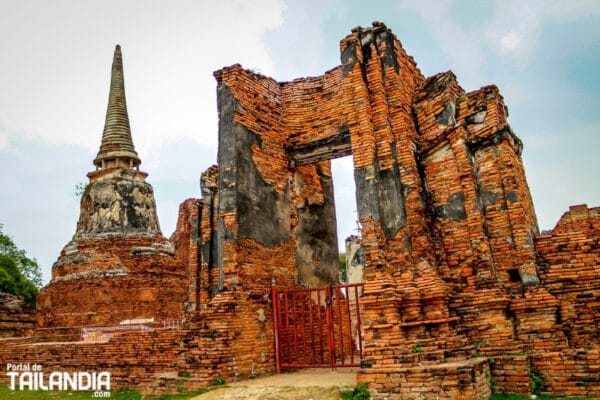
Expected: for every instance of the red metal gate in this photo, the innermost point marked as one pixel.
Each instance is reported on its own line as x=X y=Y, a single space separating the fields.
x=317 y=327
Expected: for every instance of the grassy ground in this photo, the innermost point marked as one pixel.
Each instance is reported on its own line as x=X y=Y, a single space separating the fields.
x=183 y=395
x=358 y=394
x=527 y=397
x=6 y=393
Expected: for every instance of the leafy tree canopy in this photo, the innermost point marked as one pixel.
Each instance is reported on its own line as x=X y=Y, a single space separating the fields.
x=28 y=266
x=19 y=274
x=12 y=280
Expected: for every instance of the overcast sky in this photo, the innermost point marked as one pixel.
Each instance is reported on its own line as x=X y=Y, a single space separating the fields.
x=55 y=71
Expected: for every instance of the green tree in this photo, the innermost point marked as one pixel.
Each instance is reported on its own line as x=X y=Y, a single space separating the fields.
x=29 y=267
x=342 y=266
x=12 y=280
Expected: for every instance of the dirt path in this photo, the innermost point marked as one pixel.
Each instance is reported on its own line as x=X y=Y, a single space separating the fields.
x=315 y=384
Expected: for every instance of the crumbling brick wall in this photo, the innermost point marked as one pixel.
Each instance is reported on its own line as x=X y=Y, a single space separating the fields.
x=569 y=259
x=16 y=316
x=448 y=224
x=261 y=199
x=135 y=359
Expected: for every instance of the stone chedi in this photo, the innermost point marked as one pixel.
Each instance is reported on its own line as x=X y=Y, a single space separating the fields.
x=118 y=266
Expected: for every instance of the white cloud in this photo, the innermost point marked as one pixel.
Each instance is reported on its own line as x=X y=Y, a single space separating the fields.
x=571 y=9
x=297 y=45
x=512 y=31
x=55 y=81
x=465 y=49
x=510 y=41
x=4 y=143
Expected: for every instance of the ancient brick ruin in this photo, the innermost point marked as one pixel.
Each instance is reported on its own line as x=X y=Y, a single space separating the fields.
x=462 y=294
x=118 y=265
x=16 y=316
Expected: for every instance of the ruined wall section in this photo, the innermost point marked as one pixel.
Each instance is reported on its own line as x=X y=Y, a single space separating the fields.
x=472 y=169
x=446 y=179
x=315 y=229
x=253 y=201
x=316 y=131
x=257 y=209
x=209 y=272
x=510 y=217
x=557 y=322
x=392 y=80
x=379 y=80
x=578 y=218
x=300 y=194
x=474 y=173
x=250 y=237
x=135 y=359
x=262 y=220
x=313 y=111
x=569 y=263
x=188 y=251
x=405 y=299
x=16 y=316
x=484 y=227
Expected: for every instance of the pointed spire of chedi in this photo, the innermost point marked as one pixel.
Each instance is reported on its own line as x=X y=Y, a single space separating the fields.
x=117 y=147
x=117 y=200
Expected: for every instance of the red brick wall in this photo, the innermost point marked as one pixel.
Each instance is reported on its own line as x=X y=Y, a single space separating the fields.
x=113 y=279
x=313 y=107
x=569 y=260
x=16 y=316
x=466 y=381
x=132 y=358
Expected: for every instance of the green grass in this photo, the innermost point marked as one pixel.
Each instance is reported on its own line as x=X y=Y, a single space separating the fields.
x=528 y=397
x=182 y=396
x=6 y=393
x=359 y=392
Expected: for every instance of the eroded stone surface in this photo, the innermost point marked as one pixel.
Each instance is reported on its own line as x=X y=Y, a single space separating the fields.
x=120 y=203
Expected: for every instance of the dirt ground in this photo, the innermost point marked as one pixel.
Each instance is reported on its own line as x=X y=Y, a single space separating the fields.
x=315 y=384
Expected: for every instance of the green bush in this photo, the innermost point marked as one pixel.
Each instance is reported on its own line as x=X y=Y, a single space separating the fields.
x=28 y=266
x=360 y=392
x=417 y=349
x=342 y=267
x=12 y=280
x=219 y=381
x=537 y=381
